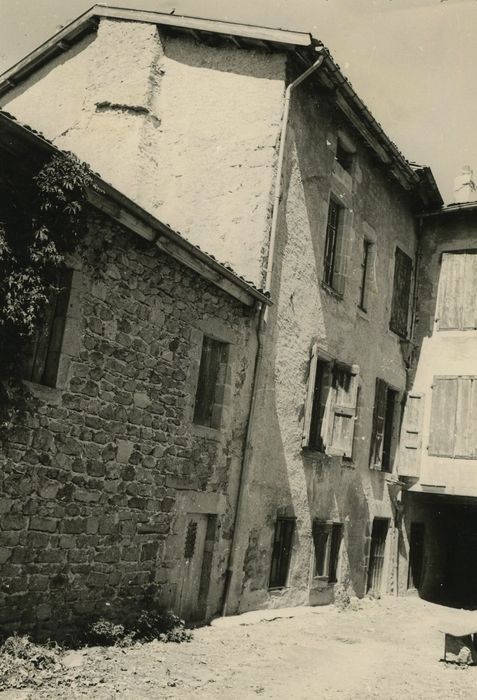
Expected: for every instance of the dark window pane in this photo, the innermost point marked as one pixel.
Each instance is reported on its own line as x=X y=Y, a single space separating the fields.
x=401 y=293
x=331 y=240
x=388 y=429
x=336 y=535
x=344 y=157
x=281 y=553
x=213 y=360
x=319 y=404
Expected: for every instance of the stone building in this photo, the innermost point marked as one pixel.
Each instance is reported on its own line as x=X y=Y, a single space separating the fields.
x=120 y=487
x=252 y=143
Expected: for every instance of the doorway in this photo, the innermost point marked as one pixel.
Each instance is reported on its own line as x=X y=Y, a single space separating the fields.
x=376 y=555
x=196 y=566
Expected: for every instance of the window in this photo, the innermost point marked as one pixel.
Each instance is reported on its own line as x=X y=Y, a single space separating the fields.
x=331 y=406
x=281 y=552
x=327 y=543
x=453 y=430
x=334 y=258
x=401 y=293
x=42 y=362
x=383 y=441
x=456 y=308
x=344 y=157
x=211 y=383
x=364 y=279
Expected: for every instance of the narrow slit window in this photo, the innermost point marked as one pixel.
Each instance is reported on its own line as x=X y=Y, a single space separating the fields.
x=211 y=383
x=364 y=282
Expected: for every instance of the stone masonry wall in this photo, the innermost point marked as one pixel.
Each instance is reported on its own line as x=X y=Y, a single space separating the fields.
x=94 y=481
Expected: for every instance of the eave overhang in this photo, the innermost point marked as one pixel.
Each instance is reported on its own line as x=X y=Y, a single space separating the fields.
x=302 y=44
x=31 y=147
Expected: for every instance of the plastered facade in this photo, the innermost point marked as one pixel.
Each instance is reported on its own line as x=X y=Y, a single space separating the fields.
x=283 y=478
x=187 y=131
x=99 y=483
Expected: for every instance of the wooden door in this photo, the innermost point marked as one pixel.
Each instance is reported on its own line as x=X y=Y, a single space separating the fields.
x=192 y=566
x=376 y=555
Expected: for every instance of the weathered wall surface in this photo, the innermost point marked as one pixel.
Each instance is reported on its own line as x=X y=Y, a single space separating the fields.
x=284 y=479
x=96 y=484
x=443 y=352
x=187 y=131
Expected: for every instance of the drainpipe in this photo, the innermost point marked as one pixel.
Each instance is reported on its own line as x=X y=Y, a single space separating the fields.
x=261 y=329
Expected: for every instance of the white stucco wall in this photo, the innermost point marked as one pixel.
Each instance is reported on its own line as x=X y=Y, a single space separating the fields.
x=188 y=131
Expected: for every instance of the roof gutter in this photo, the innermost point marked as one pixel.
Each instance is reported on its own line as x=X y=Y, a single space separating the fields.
x=239 y=516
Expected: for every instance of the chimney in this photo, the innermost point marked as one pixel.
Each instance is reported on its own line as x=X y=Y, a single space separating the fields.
x=464 y=186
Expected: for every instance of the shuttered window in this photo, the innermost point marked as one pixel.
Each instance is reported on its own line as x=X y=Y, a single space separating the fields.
x=327 y=543
x=41 y=365
x=401 y=293
x=281 y=552
x=330 y=406
x=211 y=382
x=411 y=435
x=384 y=423
x=335 y=249
x=453 y=430
x=457 y=293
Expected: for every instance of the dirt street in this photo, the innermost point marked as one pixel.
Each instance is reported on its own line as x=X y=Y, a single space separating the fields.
x=386 y=649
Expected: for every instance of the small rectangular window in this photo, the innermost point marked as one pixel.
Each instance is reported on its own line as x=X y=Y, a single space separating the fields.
x=363 y=287
x=327 y=544
x=401 y=293
x=331 y=272
x=383 y=441
x=43 y=359
x=281 y=552
x=344 y=157
x=210 y=385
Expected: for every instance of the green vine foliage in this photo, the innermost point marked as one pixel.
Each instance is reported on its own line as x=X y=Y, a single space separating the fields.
x=42 y=221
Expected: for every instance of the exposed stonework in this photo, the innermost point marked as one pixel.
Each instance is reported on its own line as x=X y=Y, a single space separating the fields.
x=96 y=484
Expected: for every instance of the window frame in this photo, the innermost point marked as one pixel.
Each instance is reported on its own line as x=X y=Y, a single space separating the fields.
x=331 y=559
x=215 y=408
x=322 y=407
x=42 y=365
x=282 y=549
x=381 y=429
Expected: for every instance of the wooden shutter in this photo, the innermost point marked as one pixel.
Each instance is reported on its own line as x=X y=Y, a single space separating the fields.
x=443 y=416
x=457 y=293
x=411 y=436
x=345 y=394
x=310 y=394
x=401 y=293
x=378 y=424
x=465 y=444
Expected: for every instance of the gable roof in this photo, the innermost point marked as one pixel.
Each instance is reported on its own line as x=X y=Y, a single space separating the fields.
x=303 y=45
x=23 y=142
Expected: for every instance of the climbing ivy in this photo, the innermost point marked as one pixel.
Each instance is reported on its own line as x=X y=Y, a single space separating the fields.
x=42 y=220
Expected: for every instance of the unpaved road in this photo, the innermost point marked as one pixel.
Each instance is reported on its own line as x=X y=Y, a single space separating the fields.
x=386 y=649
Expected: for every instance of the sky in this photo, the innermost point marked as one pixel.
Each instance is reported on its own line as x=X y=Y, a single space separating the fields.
x=413 y=62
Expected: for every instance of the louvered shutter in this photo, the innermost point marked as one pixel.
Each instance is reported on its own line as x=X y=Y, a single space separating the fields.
x=310 y=393
x=465 y=444
x=411 y=436
x=378 y=425
x=443 y=416
x=401 y=293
